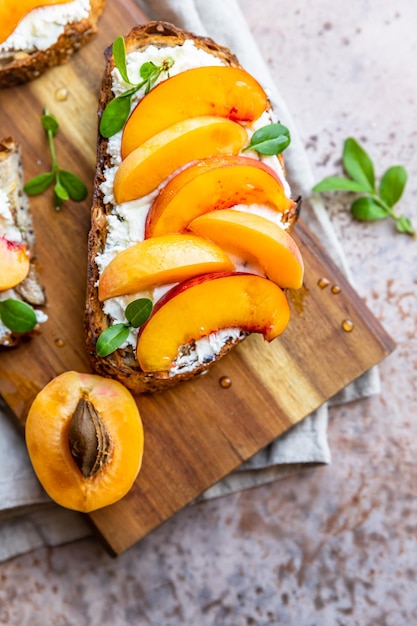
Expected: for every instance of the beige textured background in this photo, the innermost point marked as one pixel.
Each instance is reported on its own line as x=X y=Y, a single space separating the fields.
x=329 y=546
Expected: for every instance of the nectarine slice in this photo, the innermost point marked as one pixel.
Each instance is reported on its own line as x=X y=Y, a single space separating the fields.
x=85 y=439
x=12 y=13
x=14 y=263
x=214 y=183
x=228 y=92
x=161 y=260
x=255 y=239
x=201 y=305
x=197 y=138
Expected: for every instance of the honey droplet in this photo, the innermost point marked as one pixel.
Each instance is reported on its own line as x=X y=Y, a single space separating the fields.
x=336 y=289
x=61 y=94
x=225 y=382
x=347 y=326
x=60 y=343
x=323 y=282
x=297 y=297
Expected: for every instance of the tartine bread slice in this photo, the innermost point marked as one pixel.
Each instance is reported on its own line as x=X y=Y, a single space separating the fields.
x=30 y=290
x=21 y=66
x=122 y=363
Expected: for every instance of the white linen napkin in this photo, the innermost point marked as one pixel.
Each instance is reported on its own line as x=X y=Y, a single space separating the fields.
x=28 y=519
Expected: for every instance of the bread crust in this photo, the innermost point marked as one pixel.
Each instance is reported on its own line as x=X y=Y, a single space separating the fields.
x=30 y=290
x=122 y=364
x=24 y=67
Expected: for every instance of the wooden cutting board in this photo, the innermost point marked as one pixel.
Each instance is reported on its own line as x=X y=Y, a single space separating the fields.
x=200 y=431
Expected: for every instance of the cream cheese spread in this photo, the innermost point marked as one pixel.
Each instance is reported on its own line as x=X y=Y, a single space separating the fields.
x=11 y=232
x=126 y=224
x=40 y=28
x=8 y=228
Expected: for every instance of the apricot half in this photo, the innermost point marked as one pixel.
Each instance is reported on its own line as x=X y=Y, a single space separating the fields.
x=149 y=165
x=161 y=260
x=228 y=92
x=201 y=305
x=14 y=263
x=85 y=439
x=12 y=13
x=214 y=183
x=255 y=239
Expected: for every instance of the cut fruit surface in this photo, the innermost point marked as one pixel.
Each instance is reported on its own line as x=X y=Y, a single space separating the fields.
x=14 y=263
x=149 y=165
x=161 y=260
x=84 y=436
x=214 y=183
x=254 y=238
x=199 y=306
x=12 y=13
x=228 y=92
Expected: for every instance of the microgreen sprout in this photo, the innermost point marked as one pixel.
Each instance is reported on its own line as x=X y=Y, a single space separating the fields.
x=374 y=203
x=66 y=184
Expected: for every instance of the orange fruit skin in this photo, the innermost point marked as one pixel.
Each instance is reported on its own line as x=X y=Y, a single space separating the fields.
x=144 y=169
x=158 y=261
x=214 y=183
x=228 y=92
x=205 y=304
x=255 y=239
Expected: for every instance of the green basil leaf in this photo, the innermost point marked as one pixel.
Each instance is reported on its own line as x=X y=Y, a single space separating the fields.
x=115 y=115
x=138 y=311
x=338 y=183
x=358 y=164
x=147 y=69
x=270 y=139
x=18 y=316
x=75 y=187
x=404 y=225
x=119 y=55
x=39 y=184
x=111 y=339
x=61 y=192
x=50 y=123
x=367 y=210
x=392 y=184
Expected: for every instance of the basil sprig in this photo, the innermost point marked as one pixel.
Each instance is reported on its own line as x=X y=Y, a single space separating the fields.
x=66 y=184
x=270 y=139
x=17 y=316
x=137 y=313
x=117 y=111
x=374 y=203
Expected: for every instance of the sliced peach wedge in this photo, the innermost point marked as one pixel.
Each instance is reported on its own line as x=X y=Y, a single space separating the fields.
x=197 y=138
x=14 y=263
x=11 y=13
x=228 y=92
x=257 y=239
x=214 y=183
x=201 y=305
x=161 y=260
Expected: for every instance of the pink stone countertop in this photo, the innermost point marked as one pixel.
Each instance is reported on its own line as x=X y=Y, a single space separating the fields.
x=330 y=546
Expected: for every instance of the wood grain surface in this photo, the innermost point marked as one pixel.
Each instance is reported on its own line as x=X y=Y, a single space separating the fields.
x=198 y=432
